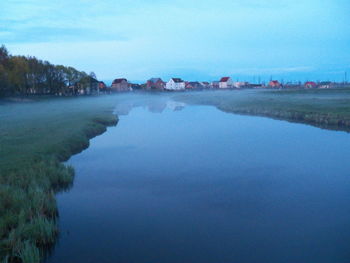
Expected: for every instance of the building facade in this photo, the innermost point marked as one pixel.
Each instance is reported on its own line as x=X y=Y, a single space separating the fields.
x=225 y=83
x=155 y=84
x=120 y=85
x=175 y=84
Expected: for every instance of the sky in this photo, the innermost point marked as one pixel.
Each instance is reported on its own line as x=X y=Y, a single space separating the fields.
x=248 y=40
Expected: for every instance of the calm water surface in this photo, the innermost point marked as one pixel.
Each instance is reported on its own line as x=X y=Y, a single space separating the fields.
x=194 y=184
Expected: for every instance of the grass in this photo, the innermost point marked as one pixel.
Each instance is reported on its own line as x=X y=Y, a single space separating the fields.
x=328 y=109
x=35 y=137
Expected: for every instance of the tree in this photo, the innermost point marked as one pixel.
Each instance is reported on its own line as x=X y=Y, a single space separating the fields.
x=29 y=75
x=4 y=59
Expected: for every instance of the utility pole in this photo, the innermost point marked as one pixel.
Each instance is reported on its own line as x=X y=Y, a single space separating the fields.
x=345 y=77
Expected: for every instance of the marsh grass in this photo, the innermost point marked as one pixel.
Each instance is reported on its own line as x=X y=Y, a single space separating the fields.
x=35 y=138
x=29 y=253
x=329 y=109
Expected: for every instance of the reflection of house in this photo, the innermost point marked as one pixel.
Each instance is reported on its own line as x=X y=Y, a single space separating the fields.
x=155 y=83
x=157 y=106
x=175 y=106
x=120 y=85
x=175 y=84
x=194 y=85
x=123 y=108
x=225 y=83
x=274 y=84
x=310 y=84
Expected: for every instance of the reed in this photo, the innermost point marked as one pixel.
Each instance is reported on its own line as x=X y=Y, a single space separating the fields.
x=35 y=138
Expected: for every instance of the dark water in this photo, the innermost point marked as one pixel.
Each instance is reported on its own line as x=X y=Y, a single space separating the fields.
x=195 y=184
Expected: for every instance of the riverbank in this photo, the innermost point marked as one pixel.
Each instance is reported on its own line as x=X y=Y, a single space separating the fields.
x=329 y=109
x=35 y=138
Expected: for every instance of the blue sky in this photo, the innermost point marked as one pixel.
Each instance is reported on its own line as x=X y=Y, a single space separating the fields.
x=196 y=40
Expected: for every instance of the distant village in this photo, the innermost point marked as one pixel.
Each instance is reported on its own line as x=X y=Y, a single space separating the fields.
x=177 y=84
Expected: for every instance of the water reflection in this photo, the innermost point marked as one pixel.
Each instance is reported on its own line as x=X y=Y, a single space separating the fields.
x=157 y=105
x=170 y=188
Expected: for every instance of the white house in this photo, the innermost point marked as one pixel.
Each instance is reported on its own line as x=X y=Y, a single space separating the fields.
x=225 y=83
x=175 y=84
x=240 y=84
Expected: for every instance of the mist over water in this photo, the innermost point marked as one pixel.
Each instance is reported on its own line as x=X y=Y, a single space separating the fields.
x=179 y=183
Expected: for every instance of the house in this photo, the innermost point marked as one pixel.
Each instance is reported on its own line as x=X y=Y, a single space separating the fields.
x=205 y=84
x=292 y=85
x=155 y=84
x=120 y=85
x=326 y=85
x=87 y=86
x=102 y=86
x=310 y=84
x=225 y=83
x=175 y=84
x=135 y=86
x=194 y=85
x=215 y=84
x=274 y=84
x=240 y=84
x=254 y=86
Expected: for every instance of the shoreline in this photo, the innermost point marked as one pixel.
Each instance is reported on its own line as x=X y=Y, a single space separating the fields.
x=29 y=236
x=326 y=109
x=313 y=119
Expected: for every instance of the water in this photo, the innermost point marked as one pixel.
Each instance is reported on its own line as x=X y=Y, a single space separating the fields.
x=194 y=184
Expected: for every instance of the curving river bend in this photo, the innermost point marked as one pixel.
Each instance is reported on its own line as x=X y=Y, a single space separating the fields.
x=176 y=183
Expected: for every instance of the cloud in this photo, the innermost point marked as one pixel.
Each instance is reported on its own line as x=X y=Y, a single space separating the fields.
x=56 y=34
x=172 y=37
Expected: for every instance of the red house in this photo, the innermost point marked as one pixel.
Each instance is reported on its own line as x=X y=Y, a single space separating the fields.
x=193 y=85
x=274 y=84
x=120 y=85
x=155 y=83
x=310 y=84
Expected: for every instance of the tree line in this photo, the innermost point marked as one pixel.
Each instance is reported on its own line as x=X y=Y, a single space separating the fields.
x=25 y=75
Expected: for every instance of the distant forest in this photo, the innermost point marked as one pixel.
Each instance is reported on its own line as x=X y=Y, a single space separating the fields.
x=21 y=75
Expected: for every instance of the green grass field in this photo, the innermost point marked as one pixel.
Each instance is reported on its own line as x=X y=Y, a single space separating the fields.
x=328 y=109
x=35 y=137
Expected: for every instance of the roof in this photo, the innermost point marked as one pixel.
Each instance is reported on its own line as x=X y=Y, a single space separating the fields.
x=155 y=80
x=177 y=80
x=274 y=82
x=116 y=81
x=310 y=83
x=224 y=79
x=194 y=83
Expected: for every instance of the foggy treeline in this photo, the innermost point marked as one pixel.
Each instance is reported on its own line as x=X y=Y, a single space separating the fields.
x=21 y=75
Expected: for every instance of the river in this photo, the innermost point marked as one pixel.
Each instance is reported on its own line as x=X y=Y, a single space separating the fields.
x=176 y=183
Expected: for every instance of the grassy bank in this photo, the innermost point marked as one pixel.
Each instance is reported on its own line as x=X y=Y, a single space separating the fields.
x=328 y=109
x=35 y=137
